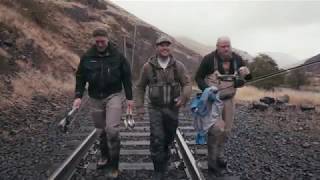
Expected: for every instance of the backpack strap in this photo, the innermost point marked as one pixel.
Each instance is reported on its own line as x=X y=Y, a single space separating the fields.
x=154 y=73
x=175 y=72
x=235 y=66
x=216 y=68
x=215 y=64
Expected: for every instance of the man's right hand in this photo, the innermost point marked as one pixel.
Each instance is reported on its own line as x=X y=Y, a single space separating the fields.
x=77 y=103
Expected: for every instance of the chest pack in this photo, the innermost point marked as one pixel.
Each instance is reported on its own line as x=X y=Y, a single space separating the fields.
x=164 y=92
x=235 y=78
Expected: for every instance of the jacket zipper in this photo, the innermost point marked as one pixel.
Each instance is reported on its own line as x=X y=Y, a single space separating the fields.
x=101 y=79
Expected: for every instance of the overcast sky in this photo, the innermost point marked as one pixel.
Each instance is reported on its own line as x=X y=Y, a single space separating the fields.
x=290 y=27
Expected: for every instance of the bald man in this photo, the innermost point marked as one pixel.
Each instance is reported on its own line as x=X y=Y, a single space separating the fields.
x=222 y=61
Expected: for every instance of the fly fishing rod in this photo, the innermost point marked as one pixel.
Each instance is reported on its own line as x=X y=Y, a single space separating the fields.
x=284 y=71
x=267 y=76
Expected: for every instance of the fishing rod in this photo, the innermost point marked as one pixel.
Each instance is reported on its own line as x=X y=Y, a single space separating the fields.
x=284 y=71
x=263 y=77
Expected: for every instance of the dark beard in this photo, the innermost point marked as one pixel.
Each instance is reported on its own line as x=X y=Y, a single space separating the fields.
x=163 y=57
x=102 y=51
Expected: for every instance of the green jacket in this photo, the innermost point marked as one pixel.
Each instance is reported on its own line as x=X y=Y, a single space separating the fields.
x=175 y=72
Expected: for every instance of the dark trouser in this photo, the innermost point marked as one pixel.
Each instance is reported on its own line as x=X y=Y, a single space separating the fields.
x=163 y=126
x=106 y=114
x=104 y=145
x=110 y=148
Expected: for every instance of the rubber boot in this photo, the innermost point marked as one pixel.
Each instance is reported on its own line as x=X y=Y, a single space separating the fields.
x=103 y=146
x=160 y=168
x=215 y=138
x=221 y=160
x=114 y=155
x=158 y=176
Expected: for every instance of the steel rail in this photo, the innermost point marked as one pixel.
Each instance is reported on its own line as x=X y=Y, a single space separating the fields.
x=192 y=169
x=68 y=167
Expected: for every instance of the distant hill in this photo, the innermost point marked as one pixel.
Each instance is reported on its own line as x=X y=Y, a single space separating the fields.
x=195 y=45
x=41 y=41
x=205 y=49
x=283 y=60
x=315 y=69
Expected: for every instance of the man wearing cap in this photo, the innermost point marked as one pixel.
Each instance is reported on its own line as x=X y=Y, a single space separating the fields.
x=169 y=88
x=220 y=62
x=107 y=72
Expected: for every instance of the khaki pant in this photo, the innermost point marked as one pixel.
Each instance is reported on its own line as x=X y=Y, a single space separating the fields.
x=218 y=137
x=106 y=114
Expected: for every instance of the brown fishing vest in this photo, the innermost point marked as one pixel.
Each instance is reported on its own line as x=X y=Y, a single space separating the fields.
x=226 y=87
x=164 y=93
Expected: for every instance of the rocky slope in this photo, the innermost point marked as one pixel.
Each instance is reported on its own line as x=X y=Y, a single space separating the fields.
x=41 y=41
x=40 y=45
x=49 y=36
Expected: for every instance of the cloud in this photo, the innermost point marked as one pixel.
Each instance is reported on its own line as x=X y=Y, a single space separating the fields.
x=290 y=27
x=276 y=14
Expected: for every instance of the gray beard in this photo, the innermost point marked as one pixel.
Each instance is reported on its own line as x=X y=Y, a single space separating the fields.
x=226 y=57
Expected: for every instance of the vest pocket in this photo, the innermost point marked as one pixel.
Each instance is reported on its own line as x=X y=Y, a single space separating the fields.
x=164 y=94
x=156 y=94
x=175 y=91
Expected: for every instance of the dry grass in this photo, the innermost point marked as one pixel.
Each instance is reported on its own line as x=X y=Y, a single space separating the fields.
x=250 y=93
x=42 y=38
x=28 y=84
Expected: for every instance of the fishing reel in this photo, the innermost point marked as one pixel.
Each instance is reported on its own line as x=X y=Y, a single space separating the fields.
x=236 y=79
x=129 y=121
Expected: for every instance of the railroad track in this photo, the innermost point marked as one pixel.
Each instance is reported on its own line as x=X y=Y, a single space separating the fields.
x=188 y=160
